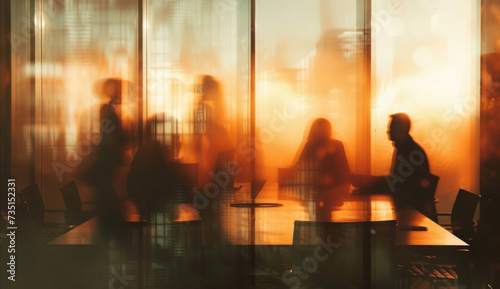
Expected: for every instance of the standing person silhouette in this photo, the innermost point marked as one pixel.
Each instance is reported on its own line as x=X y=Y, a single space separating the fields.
x=212 y=145
x=214 y=154
x=109 y=156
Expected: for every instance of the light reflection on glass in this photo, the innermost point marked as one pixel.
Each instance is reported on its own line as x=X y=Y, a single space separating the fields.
x=426 y=66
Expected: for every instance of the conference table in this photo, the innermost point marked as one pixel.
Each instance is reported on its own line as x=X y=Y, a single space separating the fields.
x=274 y=225
x=266 y=224
x=249 y=223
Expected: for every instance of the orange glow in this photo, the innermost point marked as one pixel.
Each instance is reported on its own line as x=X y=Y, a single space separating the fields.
x=424 y=62
x=429 y=71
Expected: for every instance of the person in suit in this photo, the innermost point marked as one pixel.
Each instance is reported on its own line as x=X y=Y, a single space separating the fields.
x=409 y=177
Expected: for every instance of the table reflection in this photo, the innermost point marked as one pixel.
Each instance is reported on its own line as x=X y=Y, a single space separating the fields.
x=275 y=225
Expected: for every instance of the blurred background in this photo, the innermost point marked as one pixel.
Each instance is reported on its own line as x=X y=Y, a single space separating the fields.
x=323 y=58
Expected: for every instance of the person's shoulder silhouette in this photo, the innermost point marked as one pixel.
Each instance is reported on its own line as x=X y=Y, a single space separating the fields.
x=324 y=155
x=408 y=152
x=410 y=168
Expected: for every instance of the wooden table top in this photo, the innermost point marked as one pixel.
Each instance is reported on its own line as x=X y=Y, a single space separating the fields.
x=434 y=236
x=88 y=232
x=275 y=225
x=84 y=234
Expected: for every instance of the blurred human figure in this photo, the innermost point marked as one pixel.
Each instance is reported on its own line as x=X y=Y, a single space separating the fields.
x=101 y=167
x=323 y=161
x=214 y=154
x=408 y=179
x=212 y=145
x=154 y=177
x=110 y=154
x=410 y=182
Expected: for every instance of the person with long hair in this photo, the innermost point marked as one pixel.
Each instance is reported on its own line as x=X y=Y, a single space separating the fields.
x=323 y=166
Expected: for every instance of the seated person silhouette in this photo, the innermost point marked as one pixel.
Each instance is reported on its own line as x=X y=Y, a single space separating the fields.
x=323 y=166
x=410 y=167
x=154 y=182
x=409 y=177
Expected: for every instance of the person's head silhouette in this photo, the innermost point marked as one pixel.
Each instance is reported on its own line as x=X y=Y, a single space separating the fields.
x=211 y=97
x=399 y=127
x=210 y=89
x=165 y=131
x=112 y=89
x=321 y=130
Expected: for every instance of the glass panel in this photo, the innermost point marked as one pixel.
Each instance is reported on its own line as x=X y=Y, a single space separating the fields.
x=83 y=42
x=307 y=67
x=23 y=97
x=310 y=65
x=197 y=54
x=426 y=65
x=196 y=106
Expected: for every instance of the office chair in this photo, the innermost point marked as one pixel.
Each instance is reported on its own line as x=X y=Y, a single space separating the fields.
x=432 y=269
x=75 y=215
x=461 y=216
x=429 y=188
x=33 y=201
x=35 y=208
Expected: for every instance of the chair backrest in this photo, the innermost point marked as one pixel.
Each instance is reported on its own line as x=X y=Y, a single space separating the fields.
x=431 y=186
x=33 y=201
x=348 y=253
x=71 y=197
x=428 y=205
x=464 y=208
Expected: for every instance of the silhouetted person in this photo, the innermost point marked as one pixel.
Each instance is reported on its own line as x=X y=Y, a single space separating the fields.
x=410 y=168
x=109 y=154
x=154 y=177
x=324 y=163
x=214 y=153
x=212 y=145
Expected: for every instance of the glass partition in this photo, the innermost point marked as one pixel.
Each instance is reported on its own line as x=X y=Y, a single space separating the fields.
x=23 y=93
x=227 y=97
x=82 y=43
x=309 y=64
x=189 y=63
x=426 y=64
